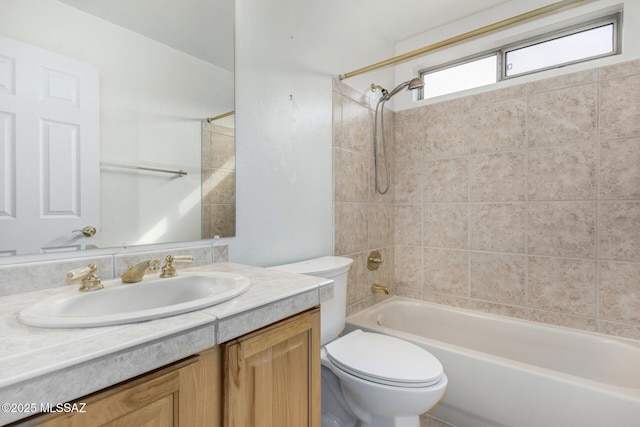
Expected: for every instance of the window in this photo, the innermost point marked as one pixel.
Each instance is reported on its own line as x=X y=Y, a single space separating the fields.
x=470 y=74
x=574 y=47
x=581 y=43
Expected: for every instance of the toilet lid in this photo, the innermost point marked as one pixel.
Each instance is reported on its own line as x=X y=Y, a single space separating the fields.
x=384 y=359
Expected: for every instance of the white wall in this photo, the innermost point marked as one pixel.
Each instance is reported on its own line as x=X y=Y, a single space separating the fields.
x=153 y=99
x=556 y=20
x=287 y=53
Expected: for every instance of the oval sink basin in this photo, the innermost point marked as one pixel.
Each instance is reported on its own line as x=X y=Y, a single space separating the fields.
x=120 y=303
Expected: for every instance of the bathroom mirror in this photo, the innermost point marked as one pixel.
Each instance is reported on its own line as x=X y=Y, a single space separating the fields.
x=161 y=69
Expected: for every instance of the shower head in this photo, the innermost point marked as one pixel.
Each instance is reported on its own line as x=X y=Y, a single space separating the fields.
x=415 y=83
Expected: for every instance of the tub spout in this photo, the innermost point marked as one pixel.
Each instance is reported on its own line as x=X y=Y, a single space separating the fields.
x=380 y=289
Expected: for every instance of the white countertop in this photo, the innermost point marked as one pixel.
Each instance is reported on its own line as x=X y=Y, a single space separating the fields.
x=57 y=365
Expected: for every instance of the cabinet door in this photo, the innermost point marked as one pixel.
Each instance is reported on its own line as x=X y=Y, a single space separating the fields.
x=272 y=376
x=187 y=393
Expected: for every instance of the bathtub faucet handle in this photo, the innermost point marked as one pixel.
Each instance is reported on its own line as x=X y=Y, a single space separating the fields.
x=374 y=260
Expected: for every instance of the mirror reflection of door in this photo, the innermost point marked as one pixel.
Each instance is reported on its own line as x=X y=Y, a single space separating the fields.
x=49 y=150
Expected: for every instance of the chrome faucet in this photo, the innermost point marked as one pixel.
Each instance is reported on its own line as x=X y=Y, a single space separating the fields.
x=135 y=273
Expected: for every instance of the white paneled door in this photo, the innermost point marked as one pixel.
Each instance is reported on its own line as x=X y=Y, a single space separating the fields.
x=49 y=151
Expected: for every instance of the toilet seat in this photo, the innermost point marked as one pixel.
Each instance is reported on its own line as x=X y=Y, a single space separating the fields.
x=384 y=360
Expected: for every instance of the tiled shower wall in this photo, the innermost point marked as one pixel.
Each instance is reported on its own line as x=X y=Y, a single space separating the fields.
x=218 y=181
x=523 y=201
x=363 y=218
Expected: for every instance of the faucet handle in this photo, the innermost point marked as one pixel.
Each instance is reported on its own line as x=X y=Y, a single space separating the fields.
x=182 y=258
x=169 y=270
x=78 y=272
x=90 y=281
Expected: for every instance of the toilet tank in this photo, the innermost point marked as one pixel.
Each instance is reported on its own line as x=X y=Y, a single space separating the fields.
x=333 y=312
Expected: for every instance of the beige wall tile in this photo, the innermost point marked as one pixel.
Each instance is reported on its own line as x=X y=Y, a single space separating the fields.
x=565 y=229
x=408 y=267
x=222 y=220
x=446 y=180
x=388 y=144
x=412 y=114
x=449 y=105
x=619 y=107
x=446 y=299
x=566 y=80
x=357 y=127
x=498 y=177
x=379 y=226
x=562 y=116
x=338 y=246
x=618 y=329
x=619 y=231
x=447 y=133
x=357 y=280
x=620 y=70
x=499 y=227
x=566 y=173
x=219 y=186
x=401 y=291
x=359 y=306
x=486 y=135
x=223 y=130
x=352 y=176
x=362 y=218
x=206 y=222
x=620 y=169
x=409 y=140
x=619 y=291
x=498 y=277
x=498 y=95
x=445 y=226
x=446 y=271
x=559 y=284
x=222 y=152
x=517 y=172
x=499 y=309
x=354 y=94
x=374 y=196
x=351 y=227
x=205 y=138
x=560 y=319
x=407 y=228
x=407 y=182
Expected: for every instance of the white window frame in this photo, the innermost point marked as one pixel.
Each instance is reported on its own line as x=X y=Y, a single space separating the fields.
x=501 y=52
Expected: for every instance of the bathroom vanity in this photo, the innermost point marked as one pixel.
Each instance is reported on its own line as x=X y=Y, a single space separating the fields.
x=256 y=356
x=184 y=393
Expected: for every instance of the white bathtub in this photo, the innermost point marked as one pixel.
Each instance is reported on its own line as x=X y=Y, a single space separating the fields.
x=513 y=373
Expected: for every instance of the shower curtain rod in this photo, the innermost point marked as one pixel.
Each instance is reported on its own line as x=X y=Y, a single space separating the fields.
x=477 y=32
x=210 y=119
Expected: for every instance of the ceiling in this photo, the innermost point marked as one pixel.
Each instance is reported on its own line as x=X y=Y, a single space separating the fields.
x=201 y=28
x=401 y=19
x=204 y=28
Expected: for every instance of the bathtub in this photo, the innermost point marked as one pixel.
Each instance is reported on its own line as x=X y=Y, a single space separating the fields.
x=511 y=373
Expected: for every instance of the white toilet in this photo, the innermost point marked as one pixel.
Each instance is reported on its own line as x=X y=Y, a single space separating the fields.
x=368 y=379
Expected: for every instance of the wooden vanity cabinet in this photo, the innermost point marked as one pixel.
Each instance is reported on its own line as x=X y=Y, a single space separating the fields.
x=272 y=376
x=268 y=378
x=187 y=393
